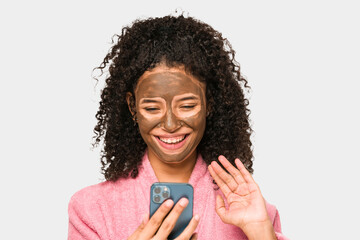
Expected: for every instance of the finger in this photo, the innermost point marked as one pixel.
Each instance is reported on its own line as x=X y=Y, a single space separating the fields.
x=235 y=173
x=145 y=218
x=155 y=221
x=224 y=188
x=194 y=236
x=225 y=177
x=221 y=209
x=188 y=232
x=245 y=173
x=170 y=221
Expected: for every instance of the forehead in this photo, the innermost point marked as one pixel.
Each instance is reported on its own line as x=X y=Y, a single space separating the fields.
x=168 y=82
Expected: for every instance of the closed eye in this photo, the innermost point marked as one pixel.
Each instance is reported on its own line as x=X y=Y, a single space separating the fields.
x=151 y=109
x=188 y=106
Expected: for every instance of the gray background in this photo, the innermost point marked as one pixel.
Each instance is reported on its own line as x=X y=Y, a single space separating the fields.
x=301 y=59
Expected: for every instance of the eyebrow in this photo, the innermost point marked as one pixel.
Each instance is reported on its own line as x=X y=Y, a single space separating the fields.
x=147 y=100
x=188 y=98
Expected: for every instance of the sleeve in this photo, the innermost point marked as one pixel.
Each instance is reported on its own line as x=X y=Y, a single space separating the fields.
x=277 y=227
x=80 y=226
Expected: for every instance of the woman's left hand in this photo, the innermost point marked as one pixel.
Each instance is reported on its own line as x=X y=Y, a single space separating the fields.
x=246 y=205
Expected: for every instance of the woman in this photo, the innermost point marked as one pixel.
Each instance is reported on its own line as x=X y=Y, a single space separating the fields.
x=173 y=110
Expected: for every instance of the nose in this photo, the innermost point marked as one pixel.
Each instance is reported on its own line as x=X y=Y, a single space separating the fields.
x=171 y=123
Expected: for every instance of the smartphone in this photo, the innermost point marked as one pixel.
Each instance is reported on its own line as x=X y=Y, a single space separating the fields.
x=161 y=191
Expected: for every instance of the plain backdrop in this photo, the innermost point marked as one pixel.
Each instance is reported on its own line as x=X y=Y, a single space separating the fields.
x=301 y=59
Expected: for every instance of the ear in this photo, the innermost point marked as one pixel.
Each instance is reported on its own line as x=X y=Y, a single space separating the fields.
x=130 y=99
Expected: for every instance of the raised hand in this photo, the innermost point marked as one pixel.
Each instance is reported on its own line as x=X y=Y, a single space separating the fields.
x=159 y=226
x=246 y=206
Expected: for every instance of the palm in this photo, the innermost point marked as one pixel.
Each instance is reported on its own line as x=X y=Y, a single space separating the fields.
x=245 y=202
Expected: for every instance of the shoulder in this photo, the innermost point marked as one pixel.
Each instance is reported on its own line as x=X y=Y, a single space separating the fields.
x=84 y=202
x=94 y=210
x=91 y=197
x=91 y=193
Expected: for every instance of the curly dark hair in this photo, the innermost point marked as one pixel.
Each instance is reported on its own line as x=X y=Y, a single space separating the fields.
x=175 y=41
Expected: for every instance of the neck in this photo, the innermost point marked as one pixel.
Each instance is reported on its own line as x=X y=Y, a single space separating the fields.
x=173 y=172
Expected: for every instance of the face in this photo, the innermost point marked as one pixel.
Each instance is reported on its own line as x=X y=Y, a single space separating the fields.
x=171 y=113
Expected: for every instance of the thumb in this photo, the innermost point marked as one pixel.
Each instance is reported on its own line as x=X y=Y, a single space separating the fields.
x=220 y=208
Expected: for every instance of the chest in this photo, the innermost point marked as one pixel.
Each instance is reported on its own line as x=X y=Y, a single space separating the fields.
x=133 y=203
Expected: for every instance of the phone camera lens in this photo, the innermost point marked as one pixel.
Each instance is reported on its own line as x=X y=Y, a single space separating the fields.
x=157 y=198
x=165 y=194
x=157 y=190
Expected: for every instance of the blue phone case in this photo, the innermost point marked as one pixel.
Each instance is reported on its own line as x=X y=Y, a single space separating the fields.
x=161 y=191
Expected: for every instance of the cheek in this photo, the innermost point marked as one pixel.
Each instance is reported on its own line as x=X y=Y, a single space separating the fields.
x=148 y=121
x=196 y=121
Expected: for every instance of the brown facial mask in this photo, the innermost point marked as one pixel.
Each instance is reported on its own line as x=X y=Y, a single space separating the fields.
x=171 y=112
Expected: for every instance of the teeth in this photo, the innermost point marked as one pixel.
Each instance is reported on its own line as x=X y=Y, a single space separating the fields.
x=172 y=140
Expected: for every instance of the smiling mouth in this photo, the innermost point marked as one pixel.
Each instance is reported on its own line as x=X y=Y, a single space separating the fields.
x=174 y=140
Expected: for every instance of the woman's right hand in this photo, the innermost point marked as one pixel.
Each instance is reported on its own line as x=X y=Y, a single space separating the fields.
x=159 y=226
